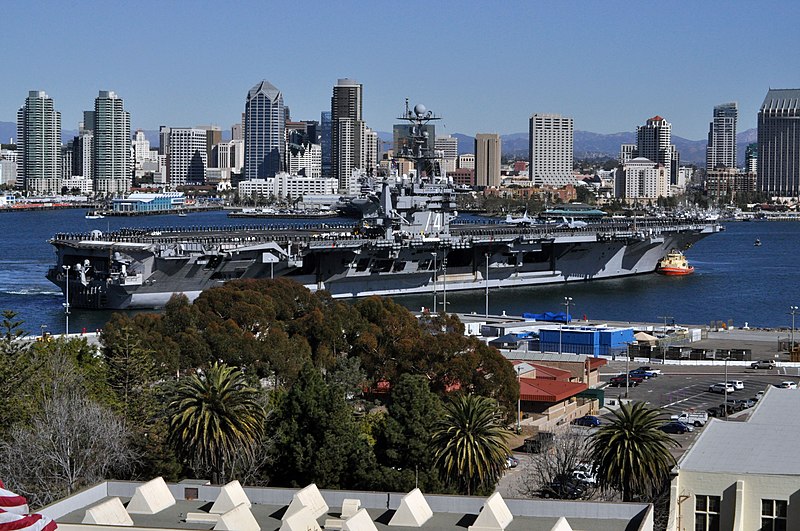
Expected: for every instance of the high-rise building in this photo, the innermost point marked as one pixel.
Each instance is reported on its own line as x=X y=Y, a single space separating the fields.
x=66 y=161
x=82 y=152
x=751 y=158
x=38 y=144
x=264 y=131
x=448 y=146
x=779 y=143
x=141 y=147
x=653 y=141
x=627 y=152
x=111 y=152
x=644 y=179
x=466 y=161
x=325 y=142
x=187 y=160
x=721 y=147
x=305 y=160
x=213 y=137
x=237 y=132
x=369 y=150
x=346 y=125
x=550 y=150
x=487 y=159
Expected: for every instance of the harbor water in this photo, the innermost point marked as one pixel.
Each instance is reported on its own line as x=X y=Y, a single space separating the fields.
x=734 y=281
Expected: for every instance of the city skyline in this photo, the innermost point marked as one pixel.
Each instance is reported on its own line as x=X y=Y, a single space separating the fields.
x=594 y=74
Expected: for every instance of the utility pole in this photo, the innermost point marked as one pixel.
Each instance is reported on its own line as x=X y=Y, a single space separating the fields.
x=444 y=283
x=793 y=311
x=435 y=274
x=487 y=285
x=664 y=339
x=66 y=268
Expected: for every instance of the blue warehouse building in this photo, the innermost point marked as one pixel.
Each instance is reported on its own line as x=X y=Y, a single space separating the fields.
x=590 y=340
x=146 y=202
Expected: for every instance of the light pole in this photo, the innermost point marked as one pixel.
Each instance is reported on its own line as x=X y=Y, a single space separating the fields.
x=444 y=283
x=487 y=285
x=66 y=268
x=43 y=327
x=567 y=302
x=435 y=275
x=627 y=368
x=663 y=339
x=519 y=401
x=793 y=311
x=726 y=384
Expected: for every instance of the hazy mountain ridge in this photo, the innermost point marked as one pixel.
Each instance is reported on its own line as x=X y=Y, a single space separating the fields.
x=586 y=143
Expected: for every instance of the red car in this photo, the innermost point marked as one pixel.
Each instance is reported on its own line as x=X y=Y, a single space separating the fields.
x=619 y=381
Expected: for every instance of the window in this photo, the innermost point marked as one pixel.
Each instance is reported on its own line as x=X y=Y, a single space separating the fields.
x=773 y=515
x=706 y=513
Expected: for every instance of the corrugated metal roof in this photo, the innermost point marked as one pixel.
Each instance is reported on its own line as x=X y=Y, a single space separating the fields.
x=536 y=390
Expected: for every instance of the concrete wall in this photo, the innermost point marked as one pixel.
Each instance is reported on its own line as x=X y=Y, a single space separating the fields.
x=740 y=506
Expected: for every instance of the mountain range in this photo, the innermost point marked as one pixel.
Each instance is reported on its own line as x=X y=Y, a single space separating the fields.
x=586 y=144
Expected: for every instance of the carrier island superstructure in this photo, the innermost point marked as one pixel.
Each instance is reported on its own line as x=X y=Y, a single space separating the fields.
x=406 y=243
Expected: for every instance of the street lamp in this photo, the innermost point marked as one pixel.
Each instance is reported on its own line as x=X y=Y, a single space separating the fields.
x=435 y=275
x=519 y=400
x=66 y=268
x=793 y=311
x=726 y=384
x=663 y=339
x=444 y=283
x=487 y=285
x=567 y=302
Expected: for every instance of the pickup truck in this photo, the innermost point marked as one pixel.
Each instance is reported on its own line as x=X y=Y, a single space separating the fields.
x=763 y=364
x=696 y=418
x=619 y=381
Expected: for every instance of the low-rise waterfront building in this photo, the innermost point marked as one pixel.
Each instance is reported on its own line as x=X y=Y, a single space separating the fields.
x=149 y=202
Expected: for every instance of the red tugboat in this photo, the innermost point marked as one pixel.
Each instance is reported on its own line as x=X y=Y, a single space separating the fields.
x=674 y=264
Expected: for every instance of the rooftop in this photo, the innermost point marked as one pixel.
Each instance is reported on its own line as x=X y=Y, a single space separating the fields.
x=269 y=506
x=764 y=444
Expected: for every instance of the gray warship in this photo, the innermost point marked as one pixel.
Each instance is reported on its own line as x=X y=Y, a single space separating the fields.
x=407 y=242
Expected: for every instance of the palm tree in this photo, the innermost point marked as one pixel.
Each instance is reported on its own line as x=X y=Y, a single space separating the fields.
x=470 y=443
x=213 y=416
x=631 y=454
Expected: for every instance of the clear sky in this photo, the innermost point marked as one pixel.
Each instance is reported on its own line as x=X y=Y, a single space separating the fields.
x=484 y=66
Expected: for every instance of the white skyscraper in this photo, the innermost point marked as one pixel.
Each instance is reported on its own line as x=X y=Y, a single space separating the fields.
x=721 y=149
x=38 y=144
x=187 y=156
x=308 y=160
x=141 y=147
x=448 y=146
x=551 y=149
x=112 y=144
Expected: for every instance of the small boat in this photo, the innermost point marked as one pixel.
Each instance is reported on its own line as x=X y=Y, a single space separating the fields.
x=674 y=264
x=757 y=243
x=94 y=214
x=182 y=214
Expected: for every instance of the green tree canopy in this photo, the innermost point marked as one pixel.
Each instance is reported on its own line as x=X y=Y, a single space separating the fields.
x=470 y=444
x=631 y=454
x=213 y=416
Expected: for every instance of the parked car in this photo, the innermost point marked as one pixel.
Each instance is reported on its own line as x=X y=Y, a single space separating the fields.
x=695 y=418
x=676 y=427
x=722 y=388
x=737 y=384
x=584 y=477
x=648 y=368
x=566 y=488
x=788 y=385
x=763 y=364
x=719 y=411
x=540 y=442
x=511 y=462
x=737 y=404
x=644 y=375
x=587 y=420
x=619 y=381
x=758 y=396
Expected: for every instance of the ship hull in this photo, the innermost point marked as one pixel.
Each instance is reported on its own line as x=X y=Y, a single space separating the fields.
x=146 y=270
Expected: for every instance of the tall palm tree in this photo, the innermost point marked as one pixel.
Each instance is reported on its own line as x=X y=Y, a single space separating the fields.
x=470 y=443
x=631 y=454
x=213 y=416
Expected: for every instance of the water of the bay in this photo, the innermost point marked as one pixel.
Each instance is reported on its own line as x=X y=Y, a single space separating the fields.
x=733 y=280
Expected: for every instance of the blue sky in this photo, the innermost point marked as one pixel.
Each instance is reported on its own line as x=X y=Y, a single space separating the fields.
x=483 y=66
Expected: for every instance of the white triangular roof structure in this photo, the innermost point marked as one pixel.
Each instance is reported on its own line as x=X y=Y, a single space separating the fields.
x=350 y=507
x=300 y=520
x=360 y=521
x=561 y=525
x=308 y=497
x=151 y=498
x=413 y=511
x=229 y=497
x=108 y=512
x=494 y=515
x=644 y=336
x=237 y=519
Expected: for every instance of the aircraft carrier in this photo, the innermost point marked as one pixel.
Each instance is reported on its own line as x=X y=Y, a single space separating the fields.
x=408 y=242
